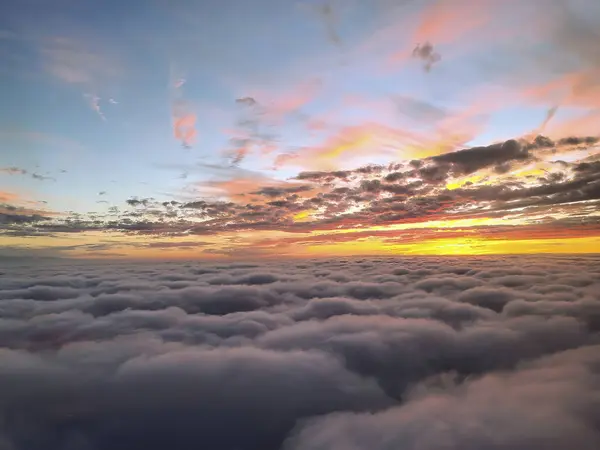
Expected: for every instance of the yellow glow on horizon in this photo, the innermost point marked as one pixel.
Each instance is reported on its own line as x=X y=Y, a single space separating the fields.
x=463 y=237
x=460 y=246
x=443 y=224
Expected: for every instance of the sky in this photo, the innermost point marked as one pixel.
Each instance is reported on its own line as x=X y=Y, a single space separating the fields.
x=264 y=128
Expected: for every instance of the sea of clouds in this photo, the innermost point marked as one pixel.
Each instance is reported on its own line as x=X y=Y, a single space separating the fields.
x=424 y=353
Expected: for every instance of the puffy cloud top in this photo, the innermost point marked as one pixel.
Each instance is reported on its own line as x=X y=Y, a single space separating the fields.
x=385 y=353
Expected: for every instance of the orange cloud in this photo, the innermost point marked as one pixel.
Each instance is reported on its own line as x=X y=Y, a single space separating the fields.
x=579 y=89
x=243 y=189
x=295 y=99
x=25 y=211
x=576 y=90
x=370 y=139
x=184 y=123
x=23 y=203
x=278 y=104
x=8 y=196
x=445 y=21
x=238 y=189
x=574 y=46
x=350 y=142
x=183 y=117
x=587 y=124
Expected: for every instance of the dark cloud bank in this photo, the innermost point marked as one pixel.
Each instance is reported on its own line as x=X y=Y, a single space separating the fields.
x=407 y=353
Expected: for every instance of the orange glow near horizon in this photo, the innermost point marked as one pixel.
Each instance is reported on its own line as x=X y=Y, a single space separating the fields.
x=450 y=237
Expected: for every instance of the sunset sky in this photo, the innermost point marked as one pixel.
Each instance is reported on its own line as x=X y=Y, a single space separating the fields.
x=271 y=128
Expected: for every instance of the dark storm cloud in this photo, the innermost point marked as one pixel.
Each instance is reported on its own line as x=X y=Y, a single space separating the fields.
x=432 y=352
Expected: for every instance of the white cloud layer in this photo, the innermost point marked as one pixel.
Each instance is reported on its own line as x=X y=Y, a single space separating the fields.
x=413 y=353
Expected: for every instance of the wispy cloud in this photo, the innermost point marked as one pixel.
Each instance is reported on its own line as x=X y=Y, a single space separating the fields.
x=183 y=117
x=443 y=21
x=326 y=11
x=75 y=61
x=13 y=170
x=82 y=61
x=94 y=102
x=19 y=171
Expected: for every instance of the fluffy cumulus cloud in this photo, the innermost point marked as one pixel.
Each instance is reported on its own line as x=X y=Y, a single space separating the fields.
x=379 y=353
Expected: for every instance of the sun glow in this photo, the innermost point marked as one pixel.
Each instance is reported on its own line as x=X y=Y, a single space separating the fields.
x=460 y=246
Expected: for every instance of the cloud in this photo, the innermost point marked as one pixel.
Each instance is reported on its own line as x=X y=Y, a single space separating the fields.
x=263 y=113
x=573 y=35
x=328 y=15
x=80 y=60
x=14 y=210
x=298 y=354
x=12 y=216
x=13 y=171
x=350 y=142
x=427 y=54
x=94 y=103
x=37 y=176
x=418 y=110
x=71 y=61
x=493 y=198
x=443 y=21
x=545 y=401
x=183 y=116
x=8 y=196
x=19 y=171
x=408 y=128
x=184 y=123
x=471 y=160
